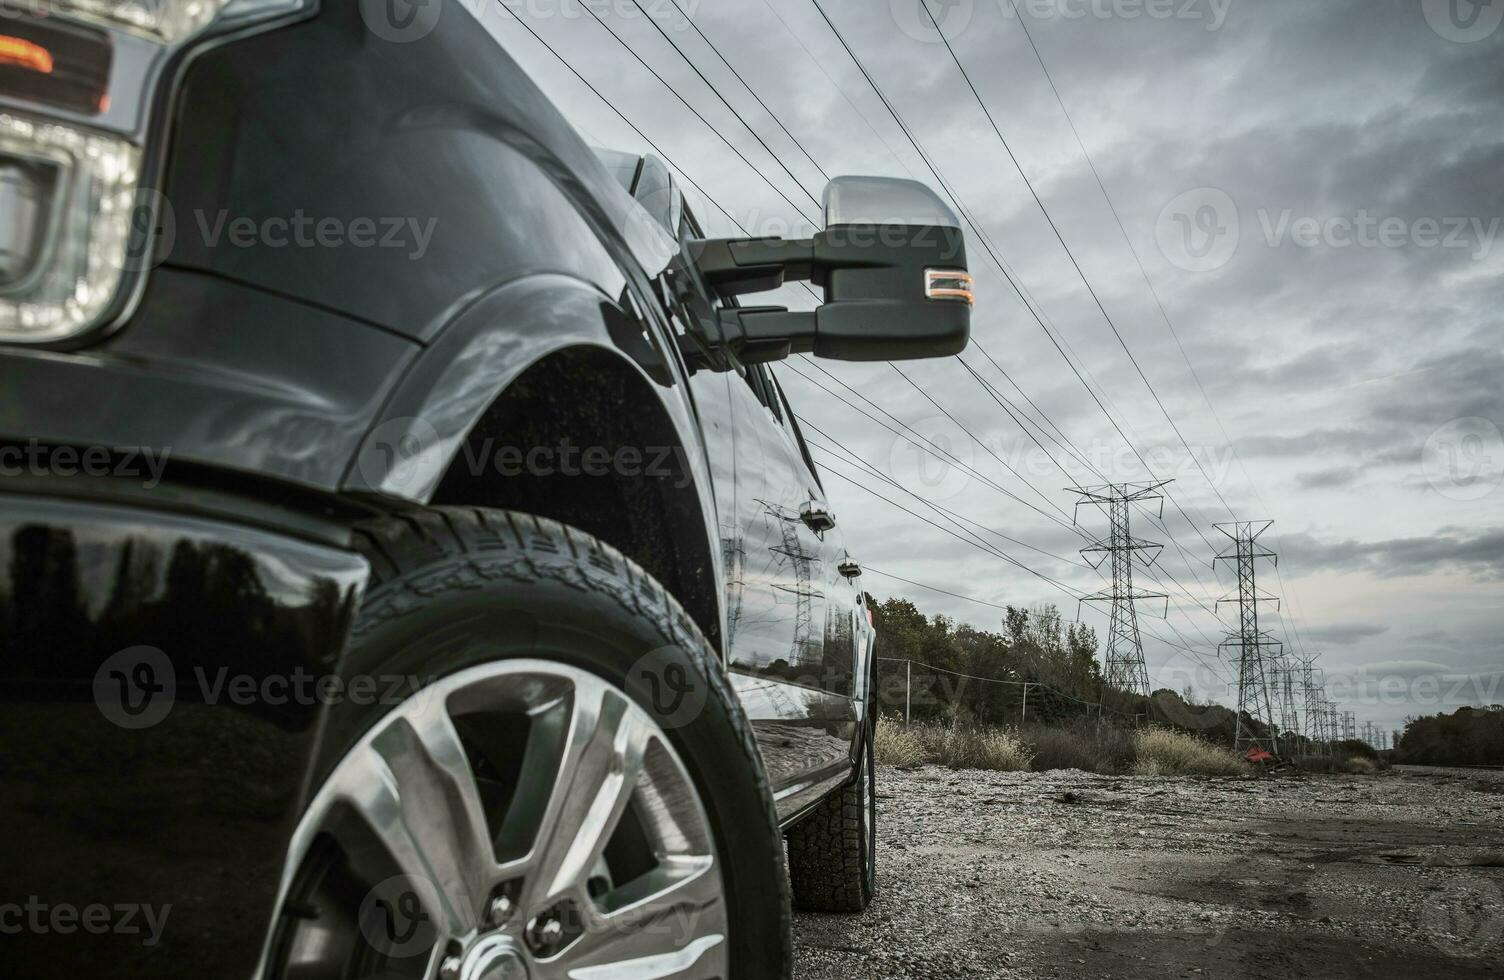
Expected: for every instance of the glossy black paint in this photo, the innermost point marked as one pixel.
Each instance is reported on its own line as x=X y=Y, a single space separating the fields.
x=186 y=799
x=294 y=390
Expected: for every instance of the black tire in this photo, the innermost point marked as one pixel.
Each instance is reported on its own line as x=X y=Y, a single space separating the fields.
x=452 y=587
x=833 y=851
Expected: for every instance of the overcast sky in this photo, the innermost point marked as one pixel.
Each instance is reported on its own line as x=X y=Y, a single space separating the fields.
x=1315 y=191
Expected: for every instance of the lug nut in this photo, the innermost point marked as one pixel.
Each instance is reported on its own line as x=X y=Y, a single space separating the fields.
x=499 y=912
x=544 y=932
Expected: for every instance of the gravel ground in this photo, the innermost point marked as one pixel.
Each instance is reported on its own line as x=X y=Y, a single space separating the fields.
x=1068 y=874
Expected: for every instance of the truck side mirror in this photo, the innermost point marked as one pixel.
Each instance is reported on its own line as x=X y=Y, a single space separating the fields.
x=891 y=260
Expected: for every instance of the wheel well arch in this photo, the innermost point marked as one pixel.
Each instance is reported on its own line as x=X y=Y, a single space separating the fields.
x=611 y=463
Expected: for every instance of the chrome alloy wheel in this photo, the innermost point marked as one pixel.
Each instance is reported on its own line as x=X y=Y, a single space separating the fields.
x=521 y=820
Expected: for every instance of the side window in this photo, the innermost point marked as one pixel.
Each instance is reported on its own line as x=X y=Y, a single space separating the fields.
x=793 y=423
x=761 y=383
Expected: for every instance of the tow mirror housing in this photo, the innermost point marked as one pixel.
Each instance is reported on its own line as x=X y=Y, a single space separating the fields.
x=892 y=263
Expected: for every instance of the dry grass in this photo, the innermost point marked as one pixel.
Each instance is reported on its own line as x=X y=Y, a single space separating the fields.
x=956 y=746
x=1166 y=752
x=1063 y=748
x=895 y=745
x=1361 y=766
x=1087 y=746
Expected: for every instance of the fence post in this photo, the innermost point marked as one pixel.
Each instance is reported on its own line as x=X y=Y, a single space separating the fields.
x=1024 y=714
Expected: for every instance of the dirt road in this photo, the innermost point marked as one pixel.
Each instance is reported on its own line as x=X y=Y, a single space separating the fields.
x=1065 y=874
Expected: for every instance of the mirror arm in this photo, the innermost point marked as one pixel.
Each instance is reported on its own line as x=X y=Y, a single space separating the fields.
x=757 y=334
x=752 y=265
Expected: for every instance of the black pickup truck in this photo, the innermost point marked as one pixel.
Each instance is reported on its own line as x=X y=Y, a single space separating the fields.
x=410 y=565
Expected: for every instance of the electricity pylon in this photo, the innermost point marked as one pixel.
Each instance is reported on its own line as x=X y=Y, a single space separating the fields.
x=1284 y=675
x=1256 y=648
x=803 y=591
x=1124 y=659
x=1313 y=683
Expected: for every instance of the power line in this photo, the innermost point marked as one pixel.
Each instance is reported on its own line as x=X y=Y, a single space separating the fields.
x=662 y=81
x=932 y=588
x=1071 y=255
x=717 y=92
x=724 y=211
x=841 y=453
x=982 y=546
x=928 y=446
x=1178 y=585
x=991 y=250
x=931 y=399
x=750 y=91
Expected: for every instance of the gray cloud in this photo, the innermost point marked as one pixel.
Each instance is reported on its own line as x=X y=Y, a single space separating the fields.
x=1345 y=634
x=1479 y=553
x=1328 y=367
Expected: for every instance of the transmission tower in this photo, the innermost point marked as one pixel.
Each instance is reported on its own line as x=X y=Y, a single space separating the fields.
x=1284 y=677
x=1124 y=659
x=1257 y=649
x=1349 y=726
x=805 y=644
x=1313 y=684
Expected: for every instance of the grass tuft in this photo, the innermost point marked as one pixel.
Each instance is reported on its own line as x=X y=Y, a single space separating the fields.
x=1166 y=752
x=958 y=746
x=895 y=745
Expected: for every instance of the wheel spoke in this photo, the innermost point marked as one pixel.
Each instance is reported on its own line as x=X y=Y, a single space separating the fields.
x=417 y=793
x=674 y=926
x=596 y=776
x=411 y=816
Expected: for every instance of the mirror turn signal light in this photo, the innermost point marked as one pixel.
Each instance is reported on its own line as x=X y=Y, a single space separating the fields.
x=22 y=53
x=948 y=284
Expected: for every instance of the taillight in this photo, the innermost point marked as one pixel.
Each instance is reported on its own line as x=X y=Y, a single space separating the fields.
x=77 y=79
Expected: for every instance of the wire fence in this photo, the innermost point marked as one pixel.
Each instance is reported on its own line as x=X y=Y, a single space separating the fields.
x=1090 y=708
